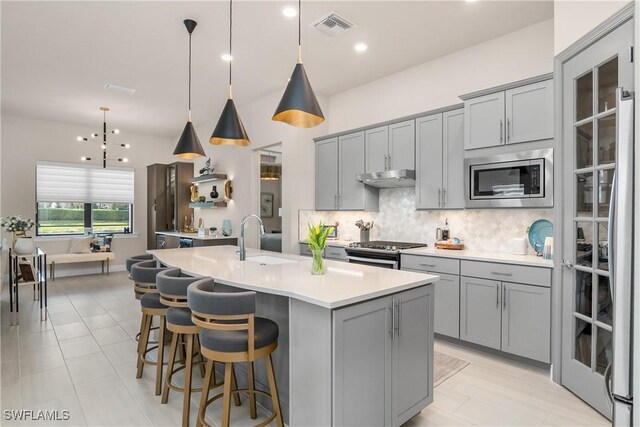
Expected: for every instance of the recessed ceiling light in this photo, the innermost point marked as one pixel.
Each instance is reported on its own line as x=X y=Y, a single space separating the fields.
x=290 y=12
x=226 y=57
x=360 y=47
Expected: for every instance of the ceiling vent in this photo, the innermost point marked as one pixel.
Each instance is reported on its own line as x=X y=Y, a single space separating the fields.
x=333 y=24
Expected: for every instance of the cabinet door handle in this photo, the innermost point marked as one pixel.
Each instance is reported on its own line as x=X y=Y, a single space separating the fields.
x=504 y=297
x=393 y=319
x=386 y=158
x=427 y=265
x=444 y=197
x=396 y=310
x=497 y=296
x=496 y=273
x=501 y=139
x=399 y=318
x=508 y=129
x=439 y=196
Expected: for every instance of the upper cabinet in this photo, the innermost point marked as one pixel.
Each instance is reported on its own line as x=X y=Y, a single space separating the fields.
x=439 y=164
x=390 y=147
x=518 y=114
x=338 y=161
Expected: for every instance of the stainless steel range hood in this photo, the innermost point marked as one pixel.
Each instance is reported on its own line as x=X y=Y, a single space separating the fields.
x=389 y=179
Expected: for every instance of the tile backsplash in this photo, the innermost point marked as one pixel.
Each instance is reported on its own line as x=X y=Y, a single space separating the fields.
x=481 y=229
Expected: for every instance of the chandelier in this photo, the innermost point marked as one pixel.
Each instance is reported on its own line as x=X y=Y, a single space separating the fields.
x=104 y=145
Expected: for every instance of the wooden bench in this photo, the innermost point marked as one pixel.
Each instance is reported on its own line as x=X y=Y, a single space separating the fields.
x=56 y=259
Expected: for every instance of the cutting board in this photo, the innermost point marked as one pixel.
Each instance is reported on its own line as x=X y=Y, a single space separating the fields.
x=447 y=245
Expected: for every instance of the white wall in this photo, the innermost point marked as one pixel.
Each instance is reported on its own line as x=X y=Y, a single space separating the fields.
x=574 y=19
x=242 y=164
x=24 y=141
x=524 y=53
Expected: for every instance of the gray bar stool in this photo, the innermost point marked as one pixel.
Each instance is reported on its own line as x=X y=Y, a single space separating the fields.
x=144 y=275
x=230 y=333
x=172 y=285
x=136 y=259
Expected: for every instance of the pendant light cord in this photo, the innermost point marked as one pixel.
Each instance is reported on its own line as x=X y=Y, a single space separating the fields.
x=299 y=23
x=230 y=33
x=189 y=76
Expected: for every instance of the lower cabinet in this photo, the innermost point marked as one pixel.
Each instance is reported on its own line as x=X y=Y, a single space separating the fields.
x=511 y=317
x=335 y=253
x=383 y=366
x=447 y=305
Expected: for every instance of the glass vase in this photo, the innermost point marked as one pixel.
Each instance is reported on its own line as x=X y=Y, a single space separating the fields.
x=317 y=261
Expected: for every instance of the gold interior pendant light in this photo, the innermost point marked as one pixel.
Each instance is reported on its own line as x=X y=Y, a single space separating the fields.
x=299 y=106
x=189 y=145
x=229 y=130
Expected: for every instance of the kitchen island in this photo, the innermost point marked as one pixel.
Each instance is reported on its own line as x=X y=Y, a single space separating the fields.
x=355 y=345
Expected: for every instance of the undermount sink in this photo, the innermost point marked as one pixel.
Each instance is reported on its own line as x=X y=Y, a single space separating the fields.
x=270 y=260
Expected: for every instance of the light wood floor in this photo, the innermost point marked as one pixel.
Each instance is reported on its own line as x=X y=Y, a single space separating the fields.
x=83 y=360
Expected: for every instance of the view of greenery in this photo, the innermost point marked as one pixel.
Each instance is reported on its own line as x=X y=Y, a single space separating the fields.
x=68 y=218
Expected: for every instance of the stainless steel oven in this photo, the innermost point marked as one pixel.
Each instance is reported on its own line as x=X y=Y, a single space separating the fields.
x=523 y=179
x=378 y=253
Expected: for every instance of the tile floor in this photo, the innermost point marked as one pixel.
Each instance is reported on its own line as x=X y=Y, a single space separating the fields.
x=83 y=360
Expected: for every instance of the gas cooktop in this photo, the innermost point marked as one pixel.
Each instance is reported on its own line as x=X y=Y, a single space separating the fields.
x=386 y=246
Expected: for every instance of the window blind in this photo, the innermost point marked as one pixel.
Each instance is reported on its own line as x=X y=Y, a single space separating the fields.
x=62 y=182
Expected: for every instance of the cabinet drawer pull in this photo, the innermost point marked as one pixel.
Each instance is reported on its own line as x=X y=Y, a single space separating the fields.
x=496 y=273
x=426 y=265
x=504 y=297
x=508 y=130
x=439 y=196
x=501 y=139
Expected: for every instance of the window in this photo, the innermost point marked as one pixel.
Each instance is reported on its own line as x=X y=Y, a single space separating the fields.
x=72 y=198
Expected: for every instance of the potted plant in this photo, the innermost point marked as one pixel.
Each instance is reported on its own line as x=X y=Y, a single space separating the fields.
x=317 y=239
x=18 y=227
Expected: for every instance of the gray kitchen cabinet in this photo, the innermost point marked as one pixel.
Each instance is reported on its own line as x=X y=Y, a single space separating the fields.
x=453 y=159
x=529 y=112
x=336 y=253
x=327 y=174
x=429 y=162
x=338 y=161
x=402 y=145
x=376 y=149
x=447 y=305
x=520 y=113
x=412 y=355
x=389 y=380
x=439 y=161
x=390 y=147
x=484 y=121
x=526 y=321
x=480 y=311
x=351 y=195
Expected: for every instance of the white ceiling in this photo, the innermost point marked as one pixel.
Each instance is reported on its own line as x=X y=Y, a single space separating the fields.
x=57 y=56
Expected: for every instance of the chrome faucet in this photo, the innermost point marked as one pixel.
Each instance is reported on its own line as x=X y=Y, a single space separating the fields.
x=242 y=252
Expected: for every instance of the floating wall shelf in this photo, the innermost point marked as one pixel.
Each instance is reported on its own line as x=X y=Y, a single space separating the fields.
x=208 y=205
x=209 y=178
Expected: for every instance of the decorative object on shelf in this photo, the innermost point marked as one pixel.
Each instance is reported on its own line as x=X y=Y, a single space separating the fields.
x=227 y=230
x=266 y=205
x=229 y=130
x=317 y=239
x=24 y=245
x=195 y=196
x=299 y=106
x=189 y=146
x=206 y=169
x=537 y=232
x=214 y=192
x=103 y=146
x=18 y=228
x=202 y=199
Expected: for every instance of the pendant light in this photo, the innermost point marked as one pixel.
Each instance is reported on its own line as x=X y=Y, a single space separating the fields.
x=299 y=106
x=229 y=130
x=189 y=145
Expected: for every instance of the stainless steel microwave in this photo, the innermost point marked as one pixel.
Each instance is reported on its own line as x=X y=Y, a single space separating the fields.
x=514 y=180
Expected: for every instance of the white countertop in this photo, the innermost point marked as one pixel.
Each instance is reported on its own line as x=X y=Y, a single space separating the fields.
x=468 y=254
x=193 y=235
x=475 y=255
x=341 y=285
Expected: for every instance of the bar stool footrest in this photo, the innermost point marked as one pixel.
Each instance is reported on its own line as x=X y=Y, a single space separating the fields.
x=238 y=391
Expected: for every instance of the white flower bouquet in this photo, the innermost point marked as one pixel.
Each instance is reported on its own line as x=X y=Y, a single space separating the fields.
x=16 y=224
